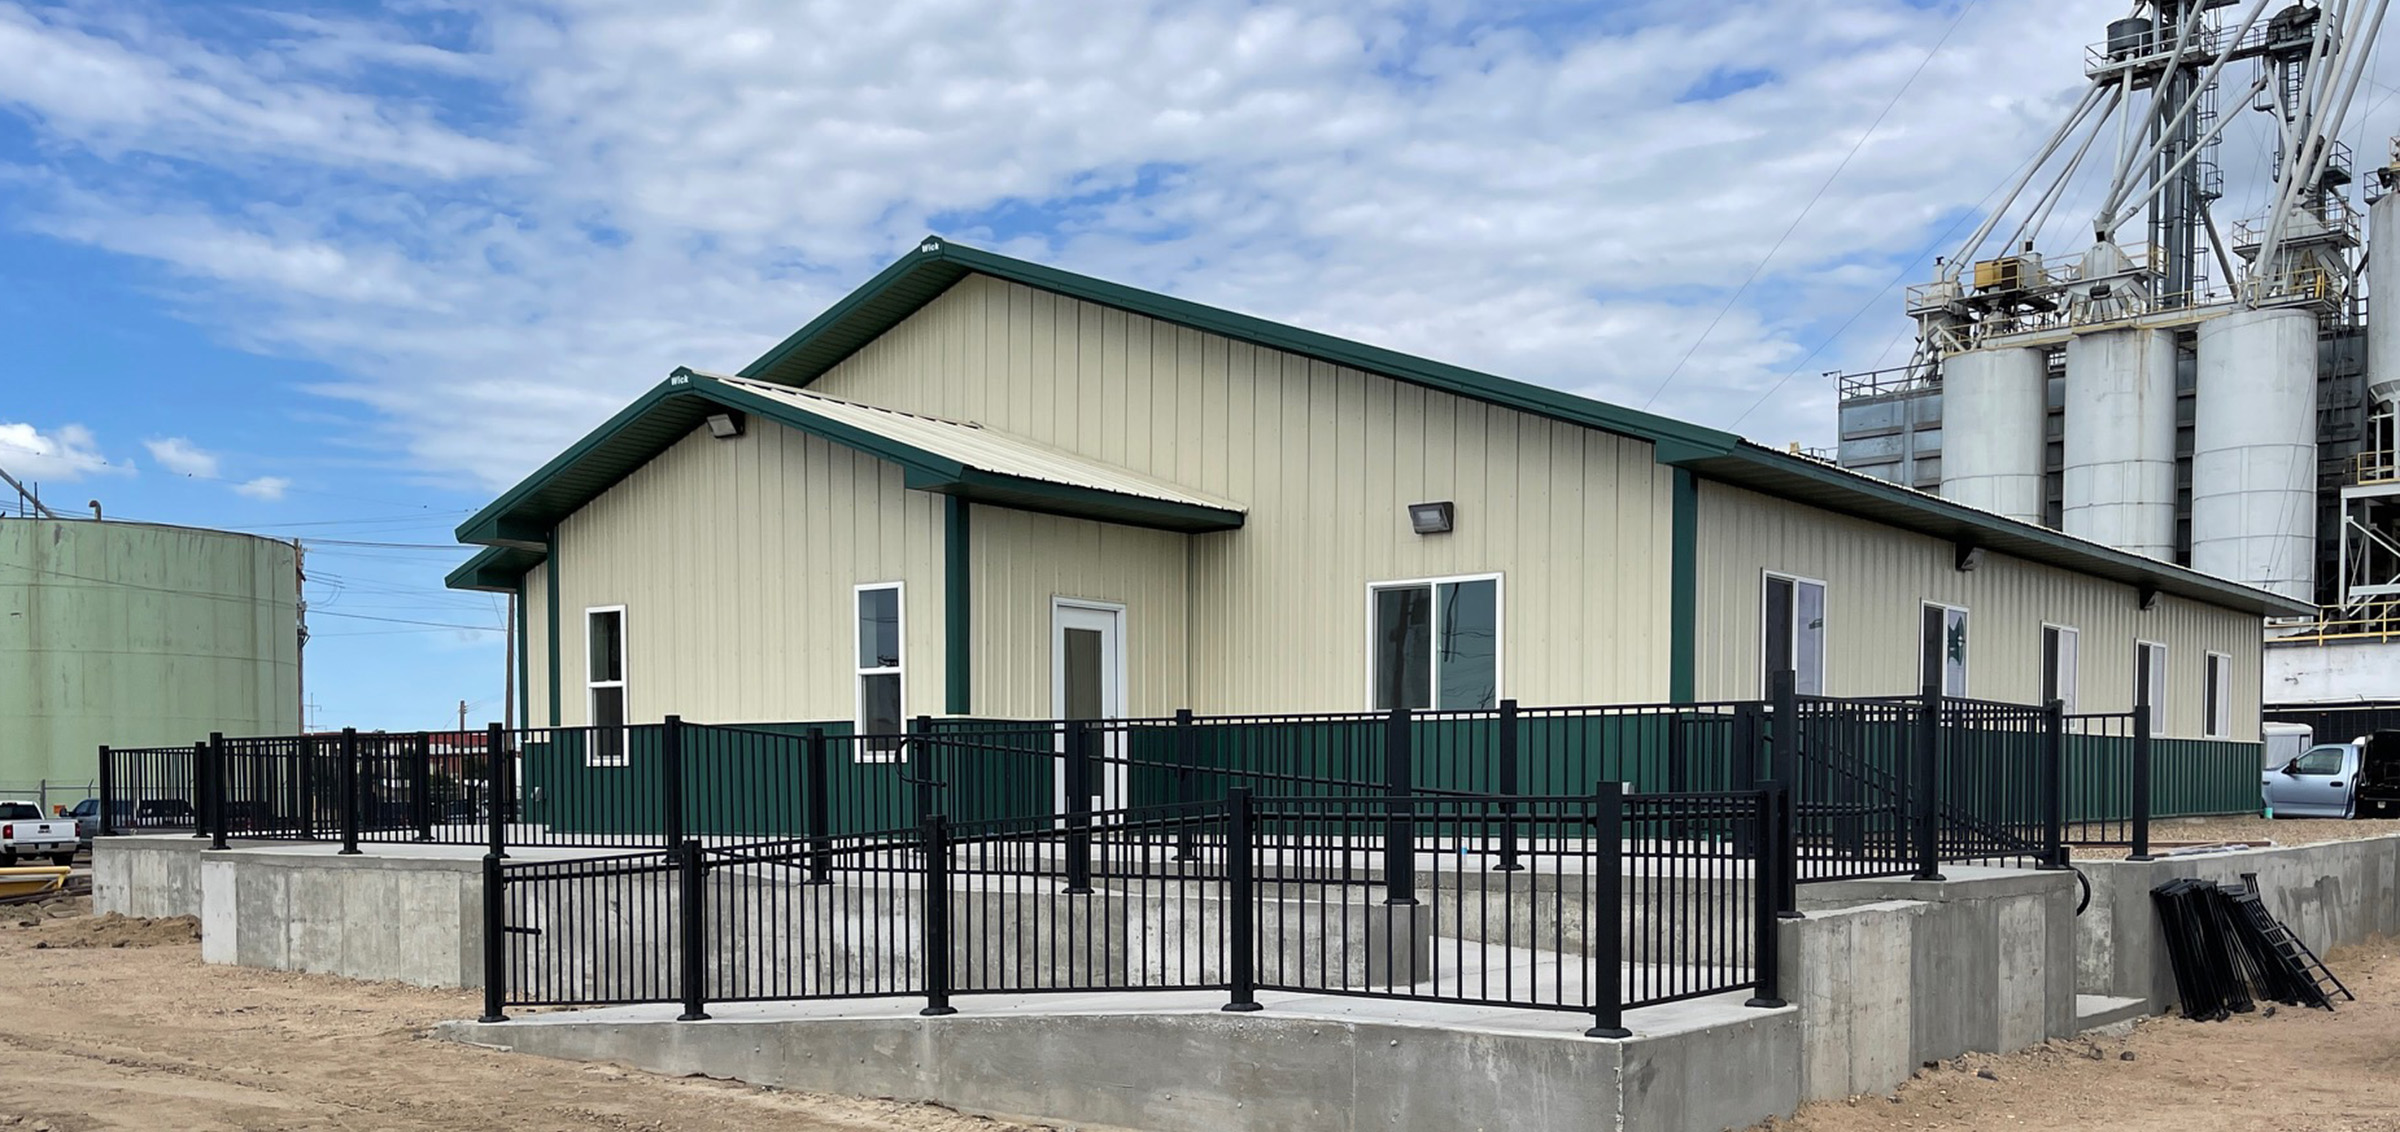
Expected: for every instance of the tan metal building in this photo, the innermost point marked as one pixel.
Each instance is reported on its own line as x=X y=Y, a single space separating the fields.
x=984 y=487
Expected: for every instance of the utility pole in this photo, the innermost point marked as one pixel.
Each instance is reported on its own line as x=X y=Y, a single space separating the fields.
x=462 y=715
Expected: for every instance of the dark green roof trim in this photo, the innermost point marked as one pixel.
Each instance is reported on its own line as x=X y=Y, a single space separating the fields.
x=1683 y=590
x=1801 y=479
x=958 y=596
x=525 y=516
x=919 y=277
x=495 y=569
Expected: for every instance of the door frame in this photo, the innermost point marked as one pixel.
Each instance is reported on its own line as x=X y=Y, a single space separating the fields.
x=1112 y=778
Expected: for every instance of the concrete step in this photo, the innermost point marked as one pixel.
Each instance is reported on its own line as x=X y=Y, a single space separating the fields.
x=2093 y=1011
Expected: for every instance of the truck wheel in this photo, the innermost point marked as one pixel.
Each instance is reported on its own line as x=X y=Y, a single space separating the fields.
x=8 y=860
x=63 y=860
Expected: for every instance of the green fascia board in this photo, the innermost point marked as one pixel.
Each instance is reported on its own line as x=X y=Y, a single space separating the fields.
x=1802 y=479
x=923 y=274
x=525 y=515
x=494 y=569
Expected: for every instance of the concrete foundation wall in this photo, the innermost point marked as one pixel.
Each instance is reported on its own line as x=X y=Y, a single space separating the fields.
x=1199 y=1070
x=2329 y=895
x=146 y=876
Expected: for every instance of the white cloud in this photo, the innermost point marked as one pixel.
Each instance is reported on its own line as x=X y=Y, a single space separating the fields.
x=68 y=452
x=182 y=457
x=566 y=200
x=264 y=487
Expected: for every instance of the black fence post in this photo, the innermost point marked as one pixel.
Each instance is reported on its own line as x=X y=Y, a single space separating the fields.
x=307 y=785
x=1241 y=896
x=1509 y=789
x=1744 y=771
x=1079 y=807
x=108 y=795
x=348 y=772
x=1767 y=871
x=495 y=937
x=1786 y=842
x=495 y=779
x=817 y=769
x=2141 y=782
x=2054 y=781
x=692 y=965
x=1783 y=764
x=1399 y=826
x=203 y=819
x=937 y=917
x=1187 y=784
x=1608 y=904
x=921 y=758
x=670 y=774
x=217 y=771
x=1926 y=771
x=421 y=785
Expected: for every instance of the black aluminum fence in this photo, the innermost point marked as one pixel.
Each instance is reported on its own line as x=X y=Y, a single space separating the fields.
x=1606 y=901
x=148 y=789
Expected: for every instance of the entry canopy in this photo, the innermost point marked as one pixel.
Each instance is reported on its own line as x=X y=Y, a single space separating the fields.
x=942 y=456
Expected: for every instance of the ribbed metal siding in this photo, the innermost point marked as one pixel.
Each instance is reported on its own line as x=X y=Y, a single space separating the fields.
x=736 y=561
x=1021 y=561
x=537 y=645
x=1326 y=458
x=1877 y=578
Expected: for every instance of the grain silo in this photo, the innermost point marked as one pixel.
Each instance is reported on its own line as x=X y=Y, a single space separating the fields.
x=138 y=634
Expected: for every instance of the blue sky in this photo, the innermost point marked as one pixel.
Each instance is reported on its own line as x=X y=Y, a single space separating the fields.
x=341 y=272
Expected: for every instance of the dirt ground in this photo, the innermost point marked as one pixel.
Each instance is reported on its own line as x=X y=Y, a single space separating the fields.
x=2168 y=832
x=2297 y=1070
x=109 y=1023
x=112 y=1023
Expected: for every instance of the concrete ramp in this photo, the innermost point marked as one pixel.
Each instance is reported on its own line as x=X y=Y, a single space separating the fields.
x=1174 y=1062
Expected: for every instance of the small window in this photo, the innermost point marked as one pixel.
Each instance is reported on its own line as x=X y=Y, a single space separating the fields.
x=2150 y=681
x=879 y=671
x=2058 y=665
x=2216 y=695
x=1435 y=644
x=1793 y=633
x=604 y=639
x=1942 y=649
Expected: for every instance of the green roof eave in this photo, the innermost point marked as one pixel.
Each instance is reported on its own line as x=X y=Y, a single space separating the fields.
x=495 y=569
x=919 y=277
x=523 y=516
x=1801 y=479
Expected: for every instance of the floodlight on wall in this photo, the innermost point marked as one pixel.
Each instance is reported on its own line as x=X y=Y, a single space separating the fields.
x=2149 y=599
x=725 y=425
x=1968 y=558
x=1431 y=518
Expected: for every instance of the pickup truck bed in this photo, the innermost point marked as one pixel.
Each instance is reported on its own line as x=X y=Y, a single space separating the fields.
x=24 y=832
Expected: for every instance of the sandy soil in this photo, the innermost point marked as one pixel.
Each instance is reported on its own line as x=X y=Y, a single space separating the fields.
x=109 y=1023
x=2295 y=1070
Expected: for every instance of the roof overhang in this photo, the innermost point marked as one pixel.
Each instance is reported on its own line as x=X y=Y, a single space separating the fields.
x=524 y=516
x=1802 y=479
x=495 y=569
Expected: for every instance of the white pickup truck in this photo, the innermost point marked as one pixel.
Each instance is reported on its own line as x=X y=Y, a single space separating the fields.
x=25 y=833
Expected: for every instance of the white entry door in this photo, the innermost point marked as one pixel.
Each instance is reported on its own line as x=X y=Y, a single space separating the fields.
x=1087 y=682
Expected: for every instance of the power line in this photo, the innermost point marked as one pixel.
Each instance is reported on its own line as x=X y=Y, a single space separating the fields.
x=1738 y=292
x=407 y=621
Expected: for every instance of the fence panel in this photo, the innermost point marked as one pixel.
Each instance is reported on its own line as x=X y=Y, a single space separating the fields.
x=590 y=932
x=148 y=790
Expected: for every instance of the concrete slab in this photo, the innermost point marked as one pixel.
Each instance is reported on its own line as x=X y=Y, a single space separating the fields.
x=2096 y=1011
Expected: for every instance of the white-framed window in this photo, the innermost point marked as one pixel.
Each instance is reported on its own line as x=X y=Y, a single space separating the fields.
x=1434 y=643
x=604 y=685
x=2150 y=681
x=1792 y=632
x=1942 y=648
x=2216 y=695
x=882 y=679
x=2059 y=668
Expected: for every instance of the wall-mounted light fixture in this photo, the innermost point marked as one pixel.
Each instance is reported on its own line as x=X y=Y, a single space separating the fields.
x=1968 y=557
x=2149 y=599
x=725 y=425
x=1431 y=518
